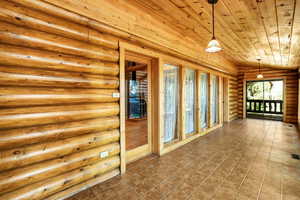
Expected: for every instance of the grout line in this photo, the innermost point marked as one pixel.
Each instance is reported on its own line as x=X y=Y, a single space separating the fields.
x=249 y=168
x=281 y=185
x=217 y=166
x=265 y=174
x=223 y=180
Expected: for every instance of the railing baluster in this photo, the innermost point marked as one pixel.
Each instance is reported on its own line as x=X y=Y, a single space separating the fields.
x=260 y=106
x=265 y=106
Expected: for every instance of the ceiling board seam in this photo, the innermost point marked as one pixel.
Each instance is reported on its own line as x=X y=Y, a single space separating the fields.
x=200 y=25
x=233 y=16
x=264 y=25
x=292 y=30
x=278 y=30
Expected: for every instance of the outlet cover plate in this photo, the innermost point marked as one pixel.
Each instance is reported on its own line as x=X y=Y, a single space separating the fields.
x=103 y=154
x=116 y=95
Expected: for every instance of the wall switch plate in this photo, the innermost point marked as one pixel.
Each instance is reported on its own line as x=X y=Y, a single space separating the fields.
x=116 y=95
x=103 y=154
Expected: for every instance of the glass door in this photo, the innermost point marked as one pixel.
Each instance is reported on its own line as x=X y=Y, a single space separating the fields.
x=171 y=102
x=265 y=99
x=215 y=100
x=190 y=101
x=136 y=104
x=203 y=100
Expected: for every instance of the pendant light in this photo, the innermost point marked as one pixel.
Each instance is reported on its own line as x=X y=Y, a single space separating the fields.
x=213 y=46
x=259 y=75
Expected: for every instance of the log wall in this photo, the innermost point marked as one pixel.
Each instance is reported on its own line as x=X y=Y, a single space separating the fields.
x=233 y=98
x=58 y=73
x=299 y=98
x=57 y=111
x=291 y=89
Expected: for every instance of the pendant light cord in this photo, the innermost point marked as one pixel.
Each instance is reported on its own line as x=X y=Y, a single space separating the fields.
x=213 y=19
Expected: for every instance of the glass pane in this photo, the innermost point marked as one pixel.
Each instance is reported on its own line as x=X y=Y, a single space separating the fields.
x=171 y=92
x=255 y=90
x=190 y=101
x=273 y=90
x=203 y=100
x=136 y=124
x=215 y=99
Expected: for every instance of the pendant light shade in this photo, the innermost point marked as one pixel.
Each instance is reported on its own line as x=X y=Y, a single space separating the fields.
x=259 y=75
x=213 y=45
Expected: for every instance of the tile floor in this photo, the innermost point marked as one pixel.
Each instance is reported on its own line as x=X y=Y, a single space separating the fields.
x=247 y=159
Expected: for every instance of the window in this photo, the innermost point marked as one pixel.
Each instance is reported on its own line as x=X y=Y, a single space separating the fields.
x=215 y=99
x=190 y=101
x=171 y=102
x=203 y=100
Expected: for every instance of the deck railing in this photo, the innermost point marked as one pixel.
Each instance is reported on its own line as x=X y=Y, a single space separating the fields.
x=265 y=106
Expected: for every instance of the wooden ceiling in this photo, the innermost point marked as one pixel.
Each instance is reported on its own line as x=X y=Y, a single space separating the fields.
x=246 y=29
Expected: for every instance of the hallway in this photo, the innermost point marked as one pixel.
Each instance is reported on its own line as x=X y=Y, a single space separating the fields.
x=246 y=159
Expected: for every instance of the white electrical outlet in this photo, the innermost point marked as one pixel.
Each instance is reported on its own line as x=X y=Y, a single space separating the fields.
x=103 y=154
x=116 y=95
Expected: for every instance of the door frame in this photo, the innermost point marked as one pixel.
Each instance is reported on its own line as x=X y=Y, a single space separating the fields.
x=264 y=79
x=146 y=149
x=153 y=146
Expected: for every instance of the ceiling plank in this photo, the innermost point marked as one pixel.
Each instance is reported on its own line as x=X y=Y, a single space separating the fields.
x=267 y=10
x=294 y=53
x=247 y=13
x=223 y=33
x=193 y=29
x=285 y=13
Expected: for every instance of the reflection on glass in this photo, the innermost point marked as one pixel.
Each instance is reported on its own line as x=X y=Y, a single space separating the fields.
x=190 y=101
x=267 y=90
x=203 y=100
x=136 y=125
x=214 y=100
x=171 y=92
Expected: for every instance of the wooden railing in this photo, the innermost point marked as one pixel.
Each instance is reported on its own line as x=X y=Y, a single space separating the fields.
x=265 y=106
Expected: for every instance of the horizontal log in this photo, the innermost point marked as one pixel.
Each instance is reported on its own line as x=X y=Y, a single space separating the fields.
x=14 y=138
x=66 y=14
x=27 y=57
x=22 y=156
x=22 y=117
x=83 y=186
x=29 y=96
x=18 y=36
x=33 y=19
x=70 y=16
x=50 y=186
x=14 y=179
x=17 y=76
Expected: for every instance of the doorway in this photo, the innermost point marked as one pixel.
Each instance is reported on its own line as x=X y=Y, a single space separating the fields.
x=264 y=99
x=138 y=123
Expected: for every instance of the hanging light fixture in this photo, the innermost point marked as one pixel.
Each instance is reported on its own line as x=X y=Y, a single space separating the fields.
x=259 y=75
x=213 y=46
